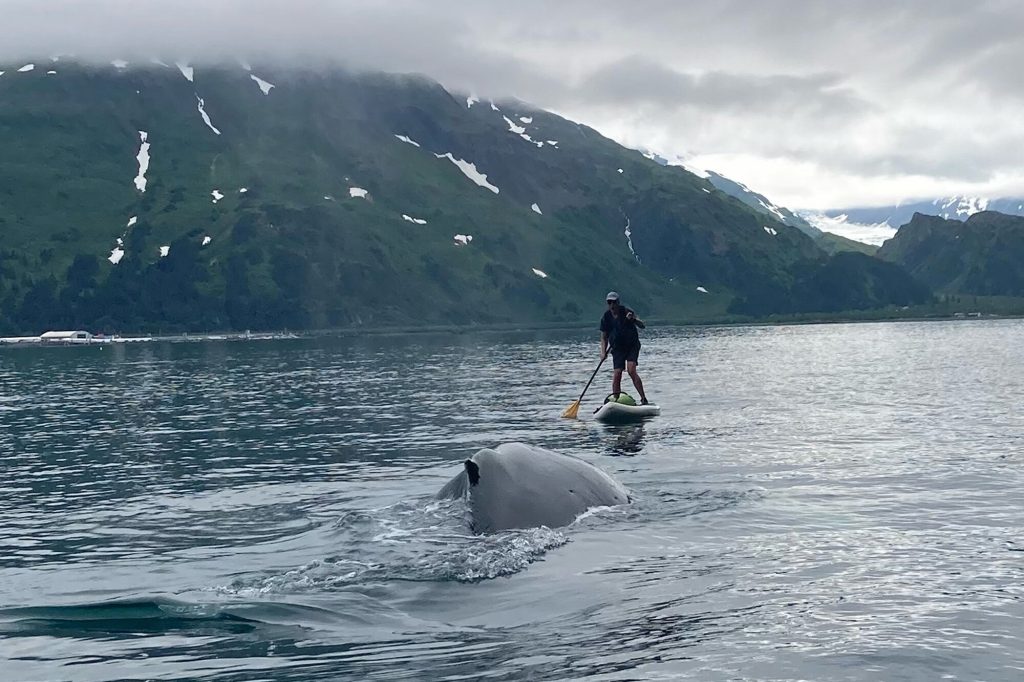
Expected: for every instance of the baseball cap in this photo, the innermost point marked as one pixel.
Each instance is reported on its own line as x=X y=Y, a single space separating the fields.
x=612 y=296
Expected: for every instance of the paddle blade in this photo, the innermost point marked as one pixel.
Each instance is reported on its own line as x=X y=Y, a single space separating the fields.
x=572 y=410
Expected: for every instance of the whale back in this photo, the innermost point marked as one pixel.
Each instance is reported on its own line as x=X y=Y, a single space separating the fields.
x=522 y=486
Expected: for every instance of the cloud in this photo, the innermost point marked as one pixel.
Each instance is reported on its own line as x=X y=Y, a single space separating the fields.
x=637 y=80
x=883 y=101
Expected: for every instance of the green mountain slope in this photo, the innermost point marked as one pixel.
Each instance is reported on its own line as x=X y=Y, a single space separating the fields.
x=338 y=199
x=834 y=243
x=983 y=255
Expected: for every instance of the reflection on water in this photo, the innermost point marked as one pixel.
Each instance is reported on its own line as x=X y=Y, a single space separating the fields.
x=819 y=502
x=625 y=440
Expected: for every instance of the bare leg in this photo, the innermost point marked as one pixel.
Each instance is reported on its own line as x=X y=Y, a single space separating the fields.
x=635 y=376
x=617 y=382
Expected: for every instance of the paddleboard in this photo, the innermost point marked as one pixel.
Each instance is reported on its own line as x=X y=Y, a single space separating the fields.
x=617 y=413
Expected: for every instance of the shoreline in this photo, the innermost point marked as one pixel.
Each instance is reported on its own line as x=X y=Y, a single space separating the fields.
x=495 y=328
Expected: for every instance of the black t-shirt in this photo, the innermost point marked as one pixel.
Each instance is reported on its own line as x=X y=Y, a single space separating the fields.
x=622 y=333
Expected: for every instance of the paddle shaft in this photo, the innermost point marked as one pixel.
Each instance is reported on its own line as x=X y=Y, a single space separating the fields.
x=591 y=380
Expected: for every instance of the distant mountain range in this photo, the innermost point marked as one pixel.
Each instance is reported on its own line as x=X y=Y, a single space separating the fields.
x=983 y=255
x=953 y=208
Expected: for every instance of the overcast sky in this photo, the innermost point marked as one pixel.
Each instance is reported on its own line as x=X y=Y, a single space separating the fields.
x=815 y=104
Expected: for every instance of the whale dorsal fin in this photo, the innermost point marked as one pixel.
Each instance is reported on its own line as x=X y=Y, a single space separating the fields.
x=473 y=471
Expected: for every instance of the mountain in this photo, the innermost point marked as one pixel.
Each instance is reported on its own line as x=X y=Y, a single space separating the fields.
x=953 y=208
x=983 y=255
x=760 y=203
x=828 y=241
x=177 y=197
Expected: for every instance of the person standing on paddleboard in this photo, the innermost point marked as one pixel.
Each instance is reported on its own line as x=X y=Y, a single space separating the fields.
x=620 y=335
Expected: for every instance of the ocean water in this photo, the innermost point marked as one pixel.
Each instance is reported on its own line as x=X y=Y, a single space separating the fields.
x=823 y=502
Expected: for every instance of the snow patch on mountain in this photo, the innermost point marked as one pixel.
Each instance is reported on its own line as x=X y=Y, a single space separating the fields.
x=357 y=192
x=773 y=209
x=520 y=131
x=131 y=221
x=770 y=230
x=699 y=172
x=116 y=255
x=471 y=100
x=469 y=170
x=187 y=71
x=264 y=85
x=206 y=117
x=217 y=196
x=164 y=251
x=143 y=158
x=418 y=221
x=540 y=273
x=463 y=239
x=629 y=240
x=119 y=64
x=408 y=140
x=207 y=239
x=536 y=209
x=702 y=290
x=26 y=68
x=526 y=119
x=963 y=206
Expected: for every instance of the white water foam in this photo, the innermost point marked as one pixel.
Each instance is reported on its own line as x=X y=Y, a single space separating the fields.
x=407 y=541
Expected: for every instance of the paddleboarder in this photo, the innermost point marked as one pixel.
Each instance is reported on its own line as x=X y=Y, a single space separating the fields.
x=620 y=335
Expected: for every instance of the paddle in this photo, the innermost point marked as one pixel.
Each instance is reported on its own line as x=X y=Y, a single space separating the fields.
x=573 y=410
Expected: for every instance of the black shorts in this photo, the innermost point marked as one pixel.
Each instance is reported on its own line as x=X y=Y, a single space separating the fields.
x=620 y=356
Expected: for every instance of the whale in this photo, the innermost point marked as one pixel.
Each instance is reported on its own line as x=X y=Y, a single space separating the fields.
x=516 y=485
